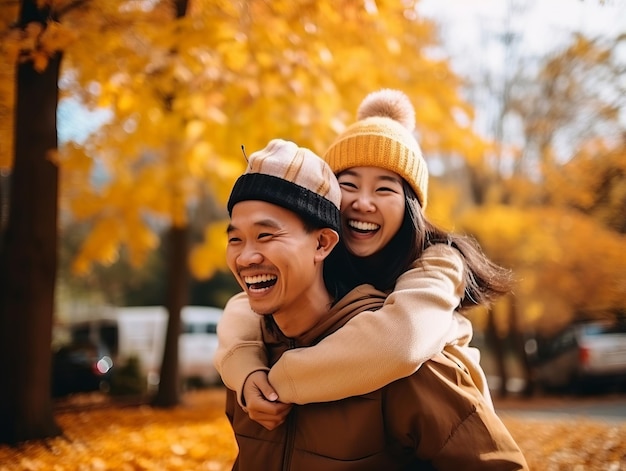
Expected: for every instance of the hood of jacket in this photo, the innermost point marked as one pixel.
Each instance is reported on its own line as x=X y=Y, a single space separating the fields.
x=362 y=298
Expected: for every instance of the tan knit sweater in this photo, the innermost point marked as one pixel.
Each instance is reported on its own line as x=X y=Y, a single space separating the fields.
x=375 y=348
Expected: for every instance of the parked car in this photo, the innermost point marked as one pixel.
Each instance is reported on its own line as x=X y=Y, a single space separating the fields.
x=80 y=366
x=583 y=355
x=139 y=332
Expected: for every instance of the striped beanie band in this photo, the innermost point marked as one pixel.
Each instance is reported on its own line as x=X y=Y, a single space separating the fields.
x=294 y=178
x=383 y=137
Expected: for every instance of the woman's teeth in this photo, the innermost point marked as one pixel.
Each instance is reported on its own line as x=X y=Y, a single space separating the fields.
x=363 y=226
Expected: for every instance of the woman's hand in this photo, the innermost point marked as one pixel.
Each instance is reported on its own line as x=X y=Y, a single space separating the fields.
x=262 y=401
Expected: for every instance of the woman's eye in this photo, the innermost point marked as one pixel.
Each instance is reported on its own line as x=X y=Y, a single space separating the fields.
x=347 y=185
x=232 y=240
x=386 y=188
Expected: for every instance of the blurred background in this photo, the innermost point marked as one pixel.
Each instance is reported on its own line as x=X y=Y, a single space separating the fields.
x=121 y=127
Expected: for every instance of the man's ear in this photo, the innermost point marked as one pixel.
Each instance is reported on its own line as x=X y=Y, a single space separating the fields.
x=327 y=239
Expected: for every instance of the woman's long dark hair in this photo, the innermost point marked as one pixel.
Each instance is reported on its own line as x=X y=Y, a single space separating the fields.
x=484 y=280
x=339 y=277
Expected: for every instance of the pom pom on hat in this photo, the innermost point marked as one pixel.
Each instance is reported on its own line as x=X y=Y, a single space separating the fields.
x=383 y=137
x=294 y=178
x=393 y=104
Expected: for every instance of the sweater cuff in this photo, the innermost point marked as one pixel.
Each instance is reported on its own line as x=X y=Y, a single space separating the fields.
x=241 y=362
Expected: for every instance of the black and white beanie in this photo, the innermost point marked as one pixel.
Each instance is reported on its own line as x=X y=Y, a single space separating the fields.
x=292 y=177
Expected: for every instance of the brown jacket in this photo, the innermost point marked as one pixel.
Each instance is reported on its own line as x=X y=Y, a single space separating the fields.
x=434 y=419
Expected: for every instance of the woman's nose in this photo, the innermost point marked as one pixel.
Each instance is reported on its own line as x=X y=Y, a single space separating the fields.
x=363 y=202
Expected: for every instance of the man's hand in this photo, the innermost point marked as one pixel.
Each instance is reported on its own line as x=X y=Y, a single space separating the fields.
x=262 y=401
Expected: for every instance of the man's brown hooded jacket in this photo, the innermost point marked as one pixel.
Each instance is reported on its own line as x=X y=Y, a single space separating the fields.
x=433 y=419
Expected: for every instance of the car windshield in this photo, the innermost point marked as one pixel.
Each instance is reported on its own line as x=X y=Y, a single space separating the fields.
x=601 y=329
x=209 y=328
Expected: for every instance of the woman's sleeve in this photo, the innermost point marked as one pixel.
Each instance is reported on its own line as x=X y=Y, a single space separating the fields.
x=376 y=348
x=240 y=349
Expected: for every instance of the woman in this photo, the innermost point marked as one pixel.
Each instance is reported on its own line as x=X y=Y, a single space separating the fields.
x=431 y=276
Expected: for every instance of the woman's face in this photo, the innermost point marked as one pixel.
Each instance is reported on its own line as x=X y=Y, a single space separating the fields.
x=372 y=208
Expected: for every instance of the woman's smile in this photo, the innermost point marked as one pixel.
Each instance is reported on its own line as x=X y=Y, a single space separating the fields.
x=372 y=208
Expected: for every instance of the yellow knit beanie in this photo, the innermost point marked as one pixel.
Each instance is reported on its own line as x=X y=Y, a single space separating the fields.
x=383 y=137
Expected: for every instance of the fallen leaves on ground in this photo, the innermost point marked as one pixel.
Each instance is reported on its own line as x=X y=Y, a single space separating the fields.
x=193 y=436
x=569 y=444
x=197 y=436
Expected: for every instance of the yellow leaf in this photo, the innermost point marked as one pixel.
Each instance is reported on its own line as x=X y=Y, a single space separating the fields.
x=210 y=256
x=195 y=129
x=40 y=60
x=101 y=246
x=56 y=37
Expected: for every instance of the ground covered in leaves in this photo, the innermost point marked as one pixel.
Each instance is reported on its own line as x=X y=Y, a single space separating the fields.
x=196 y=436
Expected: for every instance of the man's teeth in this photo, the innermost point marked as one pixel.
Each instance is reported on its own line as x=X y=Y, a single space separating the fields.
x=251 y=280
x=363 y=226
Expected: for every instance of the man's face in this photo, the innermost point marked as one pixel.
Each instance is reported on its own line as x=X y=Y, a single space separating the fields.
x=271 y=255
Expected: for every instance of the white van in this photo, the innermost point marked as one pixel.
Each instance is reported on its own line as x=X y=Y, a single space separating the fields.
x=140 y=332
x=198 y=342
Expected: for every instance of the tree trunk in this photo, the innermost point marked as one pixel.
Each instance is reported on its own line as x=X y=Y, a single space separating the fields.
x=28 y=257
x=4 y=203
x=168 y=394
x=519 y=348
x=497 y=348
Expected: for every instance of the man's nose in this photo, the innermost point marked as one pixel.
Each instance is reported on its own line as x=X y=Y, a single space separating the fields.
x=250 y=255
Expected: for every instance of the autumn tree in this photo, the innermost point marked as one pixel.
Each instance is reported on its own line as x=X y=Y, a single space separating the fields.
x=28 y=249
x=593 y=183
x=28 y=258
x=572 y=159
x=559 y=147
x=556 y=137
x=177 y=289
x=185 y=95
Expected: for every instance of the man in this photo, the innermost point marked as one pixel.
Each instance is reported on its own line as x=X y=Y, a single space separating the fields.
x=284 y=226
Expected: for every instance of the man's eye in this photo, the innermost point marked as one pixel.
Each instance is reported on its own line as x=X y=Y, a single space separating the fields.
x=264 y=235
x=232 y=240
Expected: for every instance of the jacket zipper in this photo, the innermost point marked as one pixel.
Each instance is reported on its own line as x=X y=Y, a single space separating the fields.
x=291 y=429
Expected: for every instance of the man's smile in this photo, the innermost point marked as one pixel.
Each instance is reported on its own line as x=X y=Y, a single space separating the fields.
x=259 y=283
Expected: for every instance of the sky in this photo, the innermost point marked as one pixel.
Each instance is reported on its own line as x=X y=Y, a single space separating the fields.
x=469 y=31
x=468 y=28
x=542 y=25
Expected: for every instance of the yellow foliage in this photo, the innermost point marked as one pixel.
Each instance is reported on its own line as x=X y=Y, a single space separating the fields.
x=141 y=240
x=210 y=256
x=100 y=246
x=40 y=60
x=85 y=207
x=564 y=263
x=56 y=37
x=7 y=98
x=126 y=101
x=186 y=94
x=195 y=129
x=441 y=203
